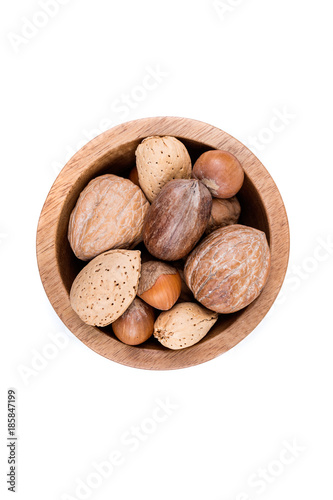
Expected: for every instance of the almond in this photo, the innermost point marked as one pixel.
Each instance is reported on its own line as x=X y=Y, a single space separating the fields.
x=106 y=287
x=184 y=325
x=160 y=159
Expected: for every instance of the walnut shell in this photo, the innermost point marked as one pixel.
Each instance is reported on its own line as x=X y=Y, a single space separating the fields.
x=224 y=213
x=176 y=219
x=108 y=214
x=106 y=287
x=160 y=159
x=229 y=268
x=184 y=325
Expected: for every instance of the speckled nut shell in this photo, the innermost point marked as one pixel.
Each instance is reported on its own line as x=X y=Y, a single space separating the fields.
x=106 y=287
x=184 y=325
x=160 y=159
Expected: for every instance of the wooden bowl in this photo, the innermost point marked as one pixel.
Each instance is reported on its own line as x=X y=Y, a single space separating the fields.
x=114 y=152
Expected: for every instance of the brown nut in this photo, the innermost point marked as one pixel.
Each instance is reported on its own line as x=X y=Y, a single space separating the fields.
x=176 y=219
x=133 y=176
x=160 y=159
x=184 y=325
x=220 y=171
x=159 y=285
x=108 y=214
x=224 y=213
x=136 y=325
x=229 y=268
x=106 y=287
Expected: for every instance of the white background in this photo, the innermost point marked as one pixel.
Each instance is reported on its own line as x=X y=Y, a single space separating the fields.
x=234 y=66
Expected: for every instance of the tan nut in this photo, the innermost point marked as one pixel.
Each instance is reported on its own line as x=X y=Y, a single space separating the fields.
x=106 y=287
x=184 y=325
x=160 y=159
x=229 y=268
x=108 y=214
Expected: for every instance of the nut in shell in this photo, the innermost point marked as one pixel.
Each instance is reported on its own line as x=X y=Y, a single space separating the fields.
x=108 y=214
x=105 y=287
x=160 y=159
x=159 y=285
x=224 y=213
x=177 y=219
x=220 y=171
x=136 y=325
x=229 y=268
x=184 y=325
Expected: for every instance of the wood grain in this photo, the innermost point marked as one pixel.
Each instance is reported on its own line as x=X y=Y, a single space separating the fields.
x=114 y=152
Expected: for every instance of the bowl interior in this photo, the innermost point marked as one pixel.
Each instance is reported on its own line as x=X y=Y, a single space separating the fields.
x=123 y=159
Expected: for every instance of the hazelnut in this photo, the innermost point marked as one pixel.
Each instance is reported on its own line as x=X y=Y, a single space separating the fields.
x=133 y=176
x=221 y=173
x=136 y=325
x=159 y=285
x=224 y=213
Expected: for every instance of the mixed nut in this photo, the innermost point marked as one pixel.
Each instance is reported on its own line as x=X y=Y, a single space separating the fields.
x=196 y=263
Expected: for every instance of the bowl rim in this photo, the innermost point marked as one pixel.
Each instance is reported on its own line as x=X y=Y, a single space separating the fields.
x=101 y=147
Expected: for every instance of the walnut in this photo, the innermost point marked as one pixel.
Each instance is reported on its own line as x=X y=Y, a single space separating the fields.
x=229 y=268
x=108 y=214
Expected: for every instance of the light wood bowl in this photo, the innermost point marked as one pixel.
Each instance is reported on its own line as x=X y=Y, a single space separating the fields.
x=113 y=152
